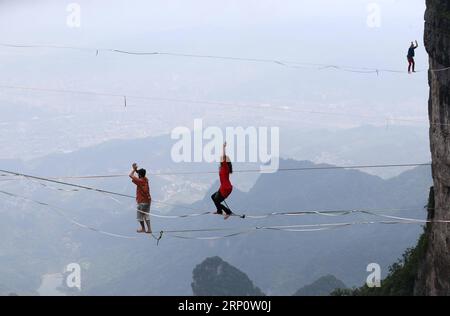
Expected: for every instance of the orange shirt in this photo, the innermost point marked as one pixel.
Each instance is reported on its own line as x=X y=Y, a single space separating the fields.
x=142 y=190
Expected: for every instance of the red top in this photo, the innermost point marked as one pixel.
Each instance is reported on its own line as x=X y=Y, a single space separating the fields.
x=142 y=190
x=225 y=184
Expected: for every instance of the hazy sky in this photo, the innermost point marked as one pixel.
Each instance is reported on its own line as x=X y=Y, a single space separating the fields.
x=36 y=123
x=325 y=32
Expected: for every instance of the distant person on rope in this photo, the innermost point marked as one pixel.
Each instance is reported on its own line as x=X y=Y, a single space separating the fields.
x=411 y=57
x=143 y=198
x=225 y=185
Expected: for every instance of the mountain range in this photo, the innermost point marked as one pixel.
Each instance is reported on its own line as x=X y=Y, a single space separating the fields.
x=36 y=240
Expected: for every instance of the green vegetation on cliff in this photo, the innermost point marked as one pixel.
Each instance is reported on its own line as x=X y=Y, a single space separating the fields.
x=402 y=278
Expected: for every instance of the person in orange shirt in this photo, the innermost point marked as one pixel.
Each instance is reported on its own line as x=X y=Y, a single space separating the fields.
x=143 y=198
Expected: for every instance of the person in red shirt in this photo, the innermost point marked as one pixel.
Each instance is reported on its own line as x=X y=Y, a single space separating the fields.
x=143 y=198
x=225 y=189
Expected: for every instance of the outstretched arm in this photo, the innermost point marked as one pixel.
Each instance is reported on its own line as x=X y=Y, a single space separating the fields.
x=133 y=171
x=224 y=151
x=417 y=45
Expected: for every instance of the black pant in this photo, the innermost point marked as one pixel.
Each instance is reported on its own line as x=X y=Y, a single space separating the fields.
x=218 y=199
x=411 y=63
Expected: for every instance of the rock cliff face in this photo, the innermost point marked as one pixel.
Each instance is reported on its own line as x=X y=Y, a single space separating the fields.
x=434 y=276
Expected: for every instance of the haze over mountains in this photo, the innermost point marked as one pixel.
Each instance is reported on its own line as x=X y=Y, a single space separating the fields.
x=297 y=30
x=277 y=262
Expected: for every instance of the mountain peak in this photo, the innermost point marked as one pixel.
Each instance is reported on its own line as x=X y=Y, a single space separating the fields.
x=216 y=277
x=321 y=287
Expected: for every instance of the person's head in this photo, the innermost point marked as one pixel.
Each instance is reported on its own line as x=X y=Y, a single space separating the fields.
x=412 y=44
x=141 y=173
x=228 y=161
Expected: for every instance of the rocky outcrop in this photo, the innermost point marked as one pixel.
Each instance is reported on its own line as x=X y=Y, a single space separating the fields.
x=434 y=276
x=215 y=277
x=321 y=287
